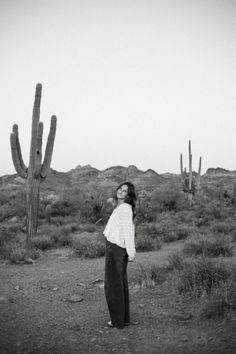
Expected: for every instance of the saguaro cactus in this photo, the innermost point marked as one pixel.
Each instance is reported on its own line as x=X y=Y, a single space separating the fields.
x=190 y=183
x=37 y=171
x=48 y=213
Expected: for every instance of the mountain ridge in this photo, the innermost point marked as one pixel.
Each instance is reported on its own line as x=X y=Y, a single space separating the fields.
x=87 y=177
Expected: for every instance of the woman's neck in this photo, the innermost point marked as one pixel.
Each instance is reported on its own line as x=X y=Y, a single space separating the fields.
x=120 y=202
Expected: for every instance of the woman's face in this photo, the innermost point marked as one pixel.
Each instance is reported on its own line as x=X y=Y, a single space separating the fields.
x=122 y=192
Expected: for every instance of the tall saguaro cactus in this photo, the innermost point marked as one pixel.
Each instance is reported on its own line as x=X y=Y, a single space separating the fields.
x=37 y=171
x=190 y=184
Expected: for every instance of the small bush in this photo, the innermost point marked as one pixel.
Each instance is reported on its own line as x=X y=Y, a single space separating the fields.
x=201 y=276
x=147 y=238
x=16 y=253
x=207 y=212
x=166 y=227
x=88 y=245
x=221 y=301
x=183 y=231
x=224 y=227
x=149 y=276
x=43 y=242
x=145 y=243
x=61 y=236
x=175 y=261
x=169 y=197
x=212 y=245
x=91 y=228
x=59 y=220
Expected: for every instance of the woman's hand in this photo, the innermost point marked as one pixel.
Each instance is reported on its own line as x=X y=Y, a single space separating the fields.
x=131 y=259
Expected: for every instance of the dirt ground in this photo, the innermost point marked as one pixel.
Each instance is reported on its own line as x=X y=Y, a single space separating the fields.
x=57 y=306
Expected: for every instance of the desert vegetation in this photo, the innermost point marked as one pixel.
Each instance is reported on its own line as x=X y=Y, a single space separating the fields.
x=203 y=272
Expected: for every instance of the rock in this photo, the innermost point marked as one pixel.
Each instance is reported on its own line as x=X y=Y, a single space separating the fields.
x=135 y=288
x=184 y=339
x=3 y=299
x=75 y=328
x=81 y=284
x=29 y=261
x=99 y=283
x=75 y=298
x=17 y=287
x=43 y=286
x=182 y=317
x=54 y=289
x=141 y=306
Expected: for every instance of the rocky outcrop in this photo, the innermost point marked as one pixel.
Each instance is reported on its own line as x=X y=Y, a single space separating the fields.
x=218 y=171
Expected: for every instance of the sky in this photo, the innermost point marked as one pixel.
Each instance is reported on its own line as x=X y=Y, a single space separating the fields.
x=130 y=81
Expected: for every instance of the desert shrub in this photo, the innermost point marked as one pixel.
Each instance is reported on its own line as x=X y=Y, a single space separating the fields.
x=17 y=253
x=176 y=261
x=59 y=220
x=10 y=234
x=207 y=212
x=221 y=301
x=225 y=227
x=88 y=245
x=61 y=236
x=169 y=197
x=185 y=216
x=88 y=227
x=166 y=227
x=147 y=229
x=147 y=238
x=201 y=276
x=5 y=235
x=4 y=196
x=144 y=212
x=62 y=207
x=145 y=243
x=183 y=231
x=149 y=276
x=43 y=242
x=211 y=245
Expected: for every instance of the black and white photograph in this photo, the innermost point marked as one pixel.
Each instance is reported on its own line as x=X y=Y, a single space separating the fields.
x=118 y=176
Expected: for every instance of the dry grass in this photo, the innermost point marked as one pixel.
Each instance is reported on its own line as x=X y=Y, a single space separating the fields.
x=208 y=245
x=201 y=276
x=88 y=245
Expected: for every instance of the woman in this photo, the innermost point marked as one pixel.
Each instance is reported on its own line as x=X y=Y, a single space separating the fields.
x=120 y=248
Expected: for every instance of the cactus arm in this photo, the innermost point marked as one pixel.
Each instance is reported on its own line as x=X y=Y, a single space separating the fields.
x=181 y=165
x=190 y=173
x=38 y=157
x=200 y=166
x=199 y=173
x=49 y=147
x=15 y=156
x=34 y=129
x=15 y=130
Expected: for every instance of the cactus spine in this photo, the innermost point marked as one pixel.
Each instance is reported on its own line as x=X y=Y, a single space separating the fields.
x=190 y=184
x=37 y=171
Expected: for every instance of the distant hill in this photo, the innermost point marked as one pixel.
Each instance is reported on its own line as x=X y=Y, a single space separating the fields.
x=219 y=171
x=87 y=177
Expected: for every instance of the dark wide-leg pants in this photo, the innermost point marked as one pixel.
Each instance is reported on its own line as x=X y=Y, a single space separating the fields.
x=116 y=284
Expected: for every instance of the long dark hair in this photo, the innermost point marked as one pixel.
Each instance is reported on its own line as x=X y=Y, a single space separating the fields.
x=131 y=195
